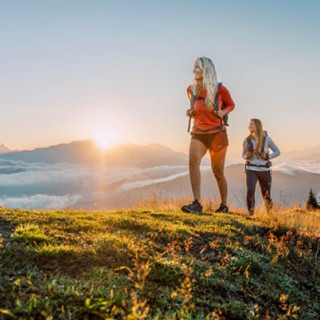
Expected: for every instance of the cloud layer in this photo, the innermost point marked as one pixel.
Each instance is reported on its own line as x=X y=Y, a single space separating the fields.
x=39 y=185
x=40 y=201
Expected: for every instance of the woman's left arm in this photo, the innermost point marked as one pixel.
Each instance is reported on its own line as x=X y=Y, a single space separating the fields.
x=275 y=150
x=226 y=99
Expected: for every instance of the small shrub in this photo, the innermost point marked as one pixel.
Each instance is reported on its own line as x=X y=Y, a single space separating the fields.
x=312 y=201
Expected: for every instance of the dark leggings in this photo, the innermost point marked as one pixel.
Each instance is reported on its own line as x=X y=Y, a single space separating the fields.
x=264 y=178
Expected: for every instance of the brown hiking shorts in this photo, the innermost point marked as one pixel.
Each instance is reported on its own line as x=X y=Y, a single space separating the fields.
x=213 y=141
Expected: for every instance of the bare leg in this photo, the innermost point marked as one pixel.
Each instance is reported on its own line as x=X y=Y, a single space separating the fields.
x=196 y=152
x=217 y=165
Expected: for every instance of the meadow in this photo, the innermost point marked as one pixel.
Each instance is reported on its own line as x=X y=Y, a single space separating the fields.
x=155 y=262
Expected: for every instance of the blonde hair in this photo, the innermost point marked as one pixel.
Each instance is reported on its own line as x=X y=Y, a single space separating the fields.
x=258 y=135
x=209 y=81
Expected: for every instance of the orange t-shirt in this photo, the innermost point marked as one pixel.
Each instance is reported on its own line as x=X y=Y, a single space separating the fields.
x=206 y=119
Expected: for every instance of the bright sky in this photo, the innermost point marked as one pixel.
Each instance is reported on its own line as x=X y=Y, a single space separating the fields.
x=77 y=69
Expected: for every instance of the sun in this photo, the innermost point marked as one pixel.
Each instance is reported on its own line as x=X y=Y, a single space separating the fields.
x=105 y=138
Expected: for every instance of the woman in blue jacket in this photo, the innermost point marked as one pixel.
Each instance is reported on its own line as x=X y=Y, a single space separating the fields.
x=256 y=153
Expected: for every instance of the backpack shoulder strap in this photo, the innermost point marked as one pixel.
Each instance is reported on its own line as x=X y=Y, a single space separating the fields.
x=264 y=140
x=223 y=121
x=216 y=98
x=249 y=144
x=192 y=100
x=216 y=105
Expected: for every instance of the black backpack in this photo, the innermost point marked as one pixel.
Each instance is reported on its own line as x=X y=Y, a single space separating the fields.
x=216 y=106
x=250 y=148
x=250 y=144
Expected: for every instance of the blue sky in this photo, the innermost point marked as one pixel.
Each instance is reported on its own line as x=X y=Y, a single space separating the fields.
x=72 y=68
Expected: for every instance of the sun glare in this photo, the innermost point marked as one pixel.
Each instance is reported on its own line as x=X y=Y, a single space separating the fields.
x=105 y=139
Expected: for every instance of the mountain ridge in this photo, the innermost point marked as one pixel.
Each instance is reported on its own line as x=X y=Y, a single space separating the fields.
x=87 y=152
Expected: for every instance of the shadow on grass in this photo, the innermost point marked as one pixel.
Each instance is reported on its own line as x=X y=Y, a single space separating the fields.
x=5 y=228
x=25 y=251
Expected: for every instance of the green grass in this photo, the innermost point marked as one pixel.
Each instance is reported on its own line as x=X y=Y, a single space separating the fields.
x=156 y=264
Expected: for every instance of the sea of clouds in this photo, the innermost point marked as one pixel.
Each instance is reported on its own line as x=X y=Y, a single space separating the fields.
x=65 y=185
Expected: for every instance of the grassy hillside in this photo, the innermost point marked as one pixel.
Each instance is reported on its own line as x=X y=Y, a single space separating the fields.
x=159 y=264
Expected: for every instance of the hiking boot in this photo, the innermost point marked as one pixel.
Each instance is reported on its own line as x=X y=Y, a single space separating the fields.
x=223 y=208
x=269 y=206
x=194 y=207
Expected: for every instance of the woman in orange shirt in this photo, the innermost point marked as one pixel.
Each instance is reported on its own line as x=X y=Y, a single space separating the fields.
x=209 y=130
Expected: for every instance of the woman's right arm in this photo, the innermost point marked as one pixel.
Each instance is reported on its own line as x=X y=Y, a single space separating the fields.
x=246 y=154
x=244 y=149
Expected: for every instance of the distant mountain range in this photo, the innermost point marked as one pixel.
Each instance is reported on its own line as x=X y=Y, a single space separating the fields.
x=87 y=152
x=79 y=174
x=4 y=148
x=143 y=156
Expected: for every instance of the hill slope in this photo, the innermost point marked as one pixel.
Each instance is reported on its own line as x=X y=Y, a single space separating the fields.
x=140 y=264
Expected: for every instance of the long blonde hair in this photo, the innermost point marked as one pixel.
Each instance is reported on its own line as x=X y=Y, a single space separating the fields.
x=258 y=135
x=209 y=81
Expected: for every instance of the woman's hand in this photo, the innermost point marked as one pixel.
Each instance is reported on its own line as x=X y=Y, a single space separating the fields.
x=264 y=156
x=221 y=113
x=249 y=155
x=190 y=113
